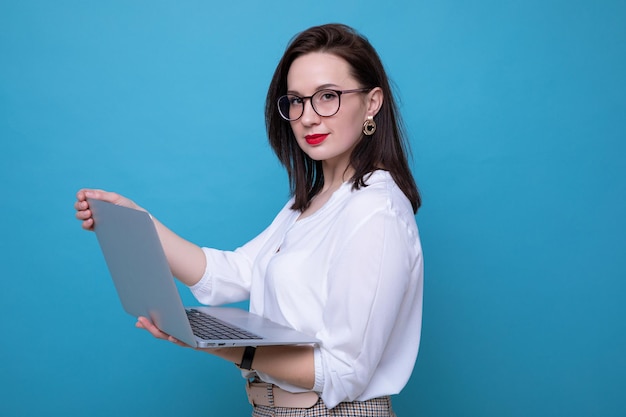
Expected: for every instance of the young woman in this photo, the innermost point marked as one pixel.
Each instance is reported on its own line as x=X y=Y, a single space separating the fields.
x=342 y=260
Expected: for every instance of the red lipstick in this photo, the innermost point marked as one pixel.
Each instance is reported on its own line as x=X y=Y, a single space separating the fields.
x=315 y=139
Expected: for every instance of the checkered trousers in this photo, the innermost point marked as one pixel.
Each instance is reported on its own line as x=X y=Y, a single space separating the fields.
x=376 y=407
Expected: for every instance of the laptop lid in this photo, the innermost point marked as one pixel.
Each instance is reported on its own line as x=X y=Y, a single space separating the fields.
x=145 y=285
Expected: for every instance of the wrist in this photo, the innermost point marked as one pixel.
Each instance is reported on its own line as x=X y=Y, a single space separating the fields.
x=247 y=358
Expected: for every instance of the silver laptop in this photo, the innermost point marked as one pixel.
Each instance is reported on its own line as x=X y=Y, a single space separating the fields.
x=145 y=285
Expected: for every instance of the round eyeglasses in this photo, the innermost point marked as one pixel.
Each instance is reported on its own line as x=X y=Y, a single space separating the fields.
x=325 y=102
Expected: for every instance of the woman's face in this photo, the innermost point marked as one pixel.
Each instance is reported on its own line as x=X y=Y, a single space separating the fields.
x=329 y=139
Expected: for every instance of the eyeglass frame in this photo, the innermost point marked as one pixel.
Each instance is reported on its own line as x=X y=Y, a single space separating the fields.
x=338 y=92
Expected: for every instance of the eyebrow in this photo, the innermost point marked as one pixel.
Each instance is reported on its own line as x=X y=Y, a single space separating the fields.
x=320 y=87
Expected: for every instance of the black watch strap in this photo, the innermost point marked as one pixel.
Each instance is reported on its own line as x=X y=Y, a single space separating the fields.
x=247 y=358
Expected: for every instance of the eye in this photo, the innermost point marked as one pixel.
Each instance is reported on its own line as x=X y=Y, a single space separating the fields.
x=327 y=95
x=295 y=100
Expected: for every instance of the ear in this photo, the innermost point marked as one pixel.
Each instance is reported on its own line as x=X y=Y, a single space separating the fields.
x=374 y=101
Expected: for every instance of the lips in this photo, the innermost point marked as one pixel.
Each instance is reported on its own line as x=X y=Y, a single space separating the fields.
x=315 y=139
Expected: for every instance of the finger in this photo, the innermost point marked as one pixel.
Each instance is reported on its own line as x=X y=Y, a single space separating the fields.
x=109 y=197
x=97 y=194
x=88 y=224
x=146 y=324
x=178 y=342
x=155 y=331
x=80 y=205
x=83 y=214
x=80 y=195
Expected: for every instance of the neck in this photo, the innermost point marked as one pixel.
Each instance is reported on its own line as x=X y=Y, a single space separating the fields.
x=335 y=175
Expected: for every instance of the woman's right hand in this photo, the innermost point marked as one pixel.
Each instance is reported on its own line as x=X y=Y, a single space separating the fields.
x=83 y=212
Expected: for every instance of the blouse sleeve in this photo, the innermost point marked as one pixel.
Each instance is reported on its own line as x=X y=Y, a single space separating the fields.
x=228 y=274
x=372 y=286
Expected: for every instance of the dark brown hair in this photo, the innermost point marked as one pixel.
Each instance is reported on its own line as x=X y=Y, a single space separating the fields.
x=385 y=149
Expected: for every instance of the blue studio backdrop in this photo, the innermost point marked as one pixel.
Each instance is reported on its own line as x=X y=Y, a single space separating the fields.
x=517 y=119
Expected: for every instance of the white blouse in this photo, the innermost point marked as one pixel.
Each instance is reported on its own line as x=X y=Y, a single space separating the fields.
x=351 y=274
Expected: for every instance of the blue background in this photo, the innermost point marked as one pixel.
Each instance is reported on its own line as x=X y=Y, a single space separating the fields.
x=517 y=118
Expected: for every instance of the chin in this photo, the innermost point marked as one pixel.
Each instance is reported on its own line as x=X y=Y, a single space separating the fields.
x=316 y=156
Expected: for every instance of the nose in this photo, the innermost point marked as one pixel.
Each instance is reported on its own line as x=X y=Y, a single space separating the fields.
x=309 y=115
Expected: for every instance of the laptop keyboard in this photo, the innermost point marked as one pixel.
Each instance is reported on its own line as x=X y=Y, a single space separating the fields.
x=211 y=328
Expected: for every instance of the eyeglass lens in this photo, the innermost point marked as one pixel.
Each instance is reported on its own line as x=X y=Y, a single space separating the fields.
x=324 y=102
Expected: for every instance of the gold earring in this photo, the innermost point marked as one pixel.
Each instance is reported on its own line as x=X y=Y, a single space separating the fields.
x=369 y=126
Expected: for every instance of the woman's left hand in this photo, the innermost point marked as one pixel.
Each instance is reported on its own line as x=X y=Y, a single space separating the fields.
x=146 y=324
x=293 y=364
x=229 y=353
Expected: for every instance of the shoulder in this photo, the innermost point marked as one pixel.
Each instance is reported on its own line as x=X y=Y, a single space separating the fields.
x=380 y=193
x=375 y=215
x=380 y=197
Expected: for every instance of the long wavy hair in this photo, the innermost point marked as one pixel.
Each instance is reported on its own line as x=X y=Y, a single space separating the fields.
x=385 y=149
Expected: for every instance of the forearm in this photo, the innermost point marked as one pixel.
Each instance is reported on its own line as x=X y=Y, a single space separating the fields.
x=186 y=259
x=292 y=364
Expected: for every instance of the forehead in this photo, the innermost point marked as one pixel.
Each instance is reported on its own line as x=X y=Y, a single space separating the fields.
x=310 y=71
